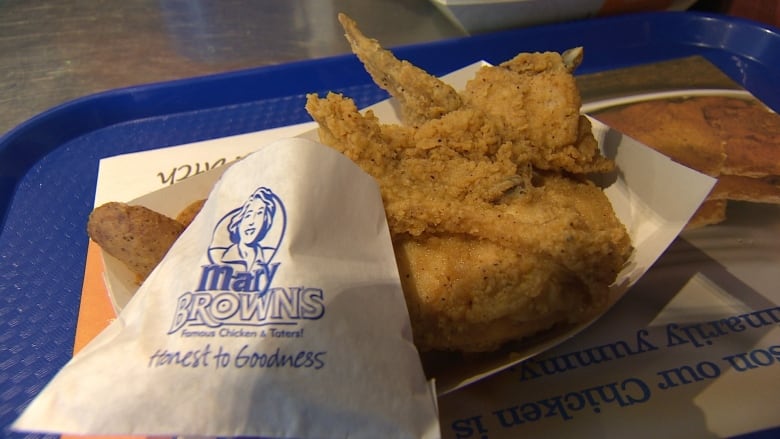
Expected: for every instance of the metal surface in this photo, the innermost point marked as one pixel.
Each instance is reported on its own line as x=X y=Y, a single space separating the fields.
x=55 y=51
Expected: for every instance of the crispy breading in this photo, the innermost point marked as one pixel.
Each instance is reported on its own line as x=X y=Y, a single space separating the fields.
x=497 y=233
x=416 y=174
x=137 y=236
x=455 y=163
x=531 y=100
x=536 y=99
x=188 y=214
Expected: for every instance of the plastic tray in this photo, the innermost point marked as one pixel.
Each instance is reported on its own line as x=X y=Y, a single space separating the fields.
x=48 y=165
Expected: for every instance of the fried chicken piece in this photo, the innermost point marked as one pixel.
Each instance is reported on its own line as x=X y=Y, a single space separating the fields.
x=711 y=211
x=453 y=196
x=496 y=237
x=413 y=168
x=137 y=236
x=422 y=96
x=520 y=273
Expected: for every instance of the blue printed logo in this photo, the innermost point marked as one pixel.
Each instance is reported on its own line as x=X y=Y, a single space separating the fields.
x=248 y=237
x=236 y=286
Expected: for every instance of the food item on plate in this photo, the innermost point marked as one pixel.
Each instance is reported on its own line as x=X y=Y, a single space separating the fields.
x=735 y=140
x=497 y=232
x=135 y=235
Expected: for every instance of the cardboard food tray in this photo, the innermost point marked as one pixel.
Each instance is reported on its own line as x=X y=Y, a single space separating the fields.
x=48 y=165
x=641 y=190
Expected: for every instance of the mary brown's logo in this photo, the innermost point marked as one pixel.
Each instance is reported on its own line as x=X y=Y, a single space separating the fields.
x=236 y=286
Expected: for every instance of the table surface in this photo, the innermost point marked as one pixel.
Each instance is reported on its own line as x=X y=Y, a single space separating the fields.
x=55 y=51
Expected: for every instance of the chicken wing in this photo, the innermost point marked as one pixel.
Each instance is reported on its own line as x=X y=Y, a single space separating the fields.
x=421 y=96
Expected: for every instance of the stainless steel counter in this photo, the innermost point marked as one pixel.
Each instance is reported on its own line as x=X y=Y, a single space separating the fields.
x=54 y=51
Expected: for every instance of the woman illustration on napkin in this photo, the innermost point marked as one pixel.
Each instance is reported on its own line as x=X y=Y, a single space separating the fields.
x=246 y=237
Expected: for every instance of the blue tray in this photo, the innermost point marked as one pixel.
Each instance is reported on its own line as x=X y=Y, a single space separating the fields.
x=48 y=165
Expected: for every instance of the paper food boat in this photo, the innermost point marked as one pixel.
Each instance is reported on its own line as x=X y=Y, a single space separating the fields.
x=652 y=195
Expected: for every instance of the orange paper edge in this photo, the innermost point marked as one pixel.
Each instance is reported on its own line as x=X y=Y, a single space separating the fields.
x=95 y=312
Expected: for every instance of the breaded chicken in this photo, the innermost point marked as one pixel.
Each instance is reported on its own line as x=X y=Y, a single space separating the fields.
x=497 y=233
x=531 y=101
x=188 y=214
x=733 y=139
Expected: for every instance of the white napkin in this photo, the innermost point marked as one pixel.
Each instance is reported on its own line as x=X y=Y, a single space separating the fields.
x=301 y=332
